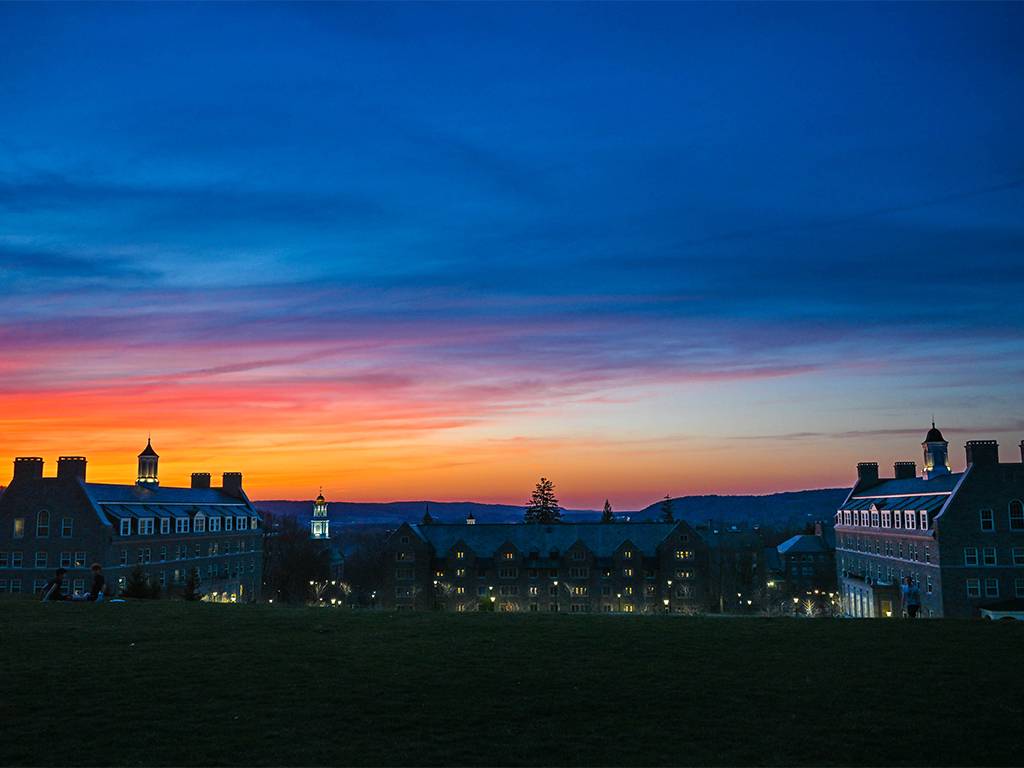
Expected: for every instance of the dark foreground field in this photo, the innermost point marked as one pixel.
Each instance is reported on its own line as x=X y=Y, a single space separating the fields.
x=186 y=684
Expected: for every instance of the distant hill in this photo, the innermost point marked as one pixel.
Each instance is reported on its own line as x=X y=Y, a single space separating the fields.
x=790 y=509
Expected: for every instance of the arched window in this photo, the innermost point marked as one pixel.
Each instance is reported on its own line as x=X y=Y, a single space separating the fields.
x=1016 y=515
x=43 y=524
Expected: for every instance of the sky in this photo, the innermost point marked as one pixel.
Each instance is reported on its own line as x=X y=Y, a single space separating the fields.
x=437 y=251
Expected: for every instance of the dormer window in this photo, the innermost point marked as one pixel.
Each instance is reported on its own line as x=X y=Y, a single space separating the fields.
x=146 y=526
x=126 y=526
x=200 y=524
x=509 y=555
x=242 y=523
x=214 y=525
x=459 y=554
x=628 y=554
x=229 y=523
x=165 y=525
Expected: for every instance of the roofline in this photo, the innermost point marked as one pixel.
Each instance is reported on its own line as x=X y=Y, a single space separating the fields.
x=953 y=493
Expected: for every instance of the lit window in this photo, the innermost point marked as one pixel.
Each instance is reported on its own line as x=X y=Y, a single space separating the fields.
x=43 y=525
x=508 y=555
x=1016 y=516
x=19 y=528
x=628 y=554
x=459 y=554
x=67 y=527
x=684 y=554
x=988 y=520
x=627 y=572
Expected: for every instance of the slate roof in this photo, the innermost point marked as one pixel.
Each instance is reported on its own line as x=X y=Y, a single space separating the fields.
x=132 y=501
x=603 y=539
x=804 y=543
x=913 y=493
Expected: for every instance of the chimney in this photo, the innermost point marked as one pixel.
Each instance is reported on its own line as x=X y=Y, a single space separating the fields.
x=232 y=484
x=904 y=470
x=982 y=452
x=867 y=473
x=200 y=479
x=71 y=468
x=28 y=468
x=470 y=520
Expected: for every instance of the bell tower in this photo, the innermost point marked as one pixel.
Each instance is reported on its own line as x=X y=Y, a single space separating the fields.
x=936 y=454
x=319 y=526
x=148 y=461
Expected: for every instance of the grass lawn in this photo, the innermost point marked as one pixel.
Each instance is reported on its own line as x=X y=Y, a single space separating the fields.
x=171 y=683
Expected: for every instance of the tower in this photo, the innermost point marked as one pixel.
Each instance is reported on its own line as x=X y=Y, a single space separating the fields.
x=319 y=527
x=148 y=460
x=936 y=454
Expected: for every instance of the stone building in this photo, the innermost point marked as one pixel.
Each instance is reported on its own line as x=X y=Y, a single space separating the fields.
x=66 y=521
x=570 y=567
x=958 y=535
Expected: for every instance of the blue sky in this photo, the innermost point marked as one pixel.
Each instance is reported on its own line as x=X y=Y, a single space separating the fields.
x=610 y=241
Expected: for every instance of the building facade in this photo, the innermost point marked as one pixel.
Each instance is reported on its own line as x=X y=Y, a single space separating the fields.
x=959 y=536
x=565 y=567
x=65 y=521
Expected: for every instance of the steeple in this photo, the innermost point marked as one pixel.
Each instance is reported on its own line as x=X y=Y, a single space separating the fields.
x=936 y=453
x=319 y=527
x=148 y=461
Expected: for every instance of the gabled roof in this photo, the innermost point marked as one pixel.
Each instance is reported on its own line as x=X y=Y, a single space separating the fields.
x=603 y=539
x=803 y=544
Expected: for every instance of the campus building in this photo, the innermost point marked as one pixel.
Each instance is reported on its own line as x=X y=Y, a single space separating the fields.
x=571 y=567
x=958 y=535
x=65 y=521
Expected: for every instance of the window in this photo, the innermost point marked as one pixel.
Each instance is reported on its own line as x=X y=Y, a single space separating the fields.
x=874 y=519
x=911 y=521
x=165 y=525
x=146 y=526
x=846 y=516
x=460 y=555
x=147 y=555
x=684 y=554
x=126 y=526
x=534 y=590
x=508 y=590
x=579 y=555
x=15 y=562
x=19 y=528
x=67 y=527
x=991 y=587
x=41 y=559
x=214 y=525
x=65 y=559
x=254 y=523
x=181 y=524
x=988 y=520
x=856 y=518
x=229 y=523
x=580 y=590
x=1018 y=556
x=887 y=519
x=15 y=586
x=579 y=572
x=973 y=588
x=924 y=520
x=553 y=607
x=242 y=524
x=399 y=556
x=628 y=554
x=897 y=520
x=43 y=525
x=1018 y=587
x=508 y=555
x=1016 y=516
x=988 y=556
x=627 y=573
x=508 y=573
x=38 y=585
x=199 y=525
x=460 y=590
x=404 y=574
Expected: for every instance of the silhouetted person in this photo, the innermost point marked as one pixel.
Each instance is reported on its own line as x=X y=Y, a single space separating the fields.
x=52 y=590
x=99 y=583
x=911 y=598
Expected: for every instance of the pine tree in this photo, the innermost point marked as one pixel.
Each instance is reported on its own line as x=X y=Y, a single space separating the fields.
x=666 y=510
x=608 y=516
x=543 y=506
x=427 y=519
x=137 y=584
x=191 y=589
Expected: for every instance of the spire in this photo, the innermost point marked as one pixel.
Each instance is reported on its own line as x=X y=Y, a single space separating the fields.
x=936 y=453
x=148 y=463
x=319 y=527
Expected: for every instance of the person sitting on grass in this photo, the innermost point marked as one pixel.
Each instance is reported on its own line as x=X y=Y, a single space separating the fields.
x=99 y=584
x=52 y=590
